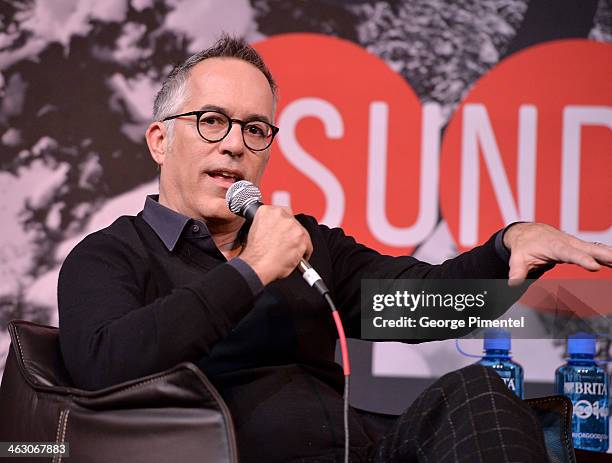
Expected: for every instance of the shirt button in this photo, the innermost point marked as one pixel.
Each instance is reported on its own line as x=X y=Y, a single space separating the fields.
x=195 y=228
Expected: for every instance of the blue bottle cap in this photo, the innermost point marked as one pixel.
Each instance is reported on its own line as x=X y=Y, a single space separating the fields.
x=497 y=339
x=581 y=343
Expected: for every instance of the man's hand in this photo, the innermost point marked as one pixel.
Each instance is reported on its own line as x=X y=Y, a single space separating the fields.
x=276 y=243
x=536 y=245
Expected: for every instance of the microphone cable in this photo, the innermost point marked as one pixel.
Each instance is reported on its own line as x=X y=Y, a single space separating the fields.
x=346 y=367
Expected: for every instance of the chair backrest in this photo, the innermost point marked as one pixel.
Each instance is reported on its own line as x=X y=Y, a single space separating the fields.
x=172 y=415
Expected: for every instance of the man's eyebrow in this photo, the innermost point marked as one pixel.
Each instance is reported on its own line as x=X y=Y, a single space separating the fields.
x=248 y=118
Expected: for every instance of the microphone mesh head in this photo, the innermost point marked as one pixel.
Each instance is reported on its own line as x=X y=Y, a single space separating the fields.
x=240 y=195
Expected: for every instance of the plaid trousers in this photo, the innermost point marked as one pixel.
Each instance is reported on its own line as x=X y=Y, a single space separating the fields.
x=467 y=416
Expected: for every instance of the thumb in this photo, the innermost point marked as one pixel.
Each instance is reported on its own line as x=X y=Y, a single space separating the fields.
x=518 y=271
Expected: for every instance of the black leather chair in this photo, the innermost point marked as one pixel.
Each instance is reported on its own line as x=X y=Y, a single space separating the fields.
x=175 y=415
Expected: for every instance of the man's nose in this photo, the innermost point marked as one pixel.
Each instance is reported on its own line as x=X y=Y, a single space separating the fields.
x=233 y=143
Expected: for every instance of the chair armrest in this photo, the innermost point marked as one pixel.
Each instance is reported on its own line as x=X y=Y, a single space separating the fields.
x=555 y=416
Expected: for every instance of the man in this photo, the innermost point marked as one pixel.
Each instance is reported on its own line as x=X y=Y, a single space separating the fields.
x=185 y=280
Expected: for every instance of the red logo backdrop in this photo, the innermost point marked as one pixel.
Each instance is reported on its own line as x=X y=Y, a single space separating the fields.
x=534 y=136
x=531 y=141
x=334 y=98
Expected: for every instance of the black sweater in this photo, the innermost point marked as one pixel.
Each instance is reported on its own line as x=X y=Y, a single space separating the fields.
x=129 y=307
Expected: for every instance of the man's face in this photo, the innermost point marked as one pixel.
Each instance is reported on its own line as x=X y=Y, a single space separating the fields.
x=193 y=179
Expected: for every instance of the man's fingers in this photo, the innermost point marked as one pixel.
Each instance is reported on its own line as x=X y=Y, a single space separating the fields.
x=601 y=252
x=589 y=263
x=518 y=271
x=310 y=248
x=573 y=255
x=512 y=282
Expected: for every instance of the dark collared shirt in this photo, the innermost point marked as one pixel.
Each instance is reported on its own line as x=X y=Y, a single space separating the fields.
x=171 y=227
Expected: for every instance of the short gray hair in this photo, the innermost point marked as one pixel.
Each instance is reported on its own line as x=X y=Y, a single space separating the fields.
x=174 y=89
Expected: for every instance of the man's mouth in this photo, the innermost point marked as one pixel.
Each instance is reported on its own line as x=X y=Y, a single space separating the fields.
x=224 y=178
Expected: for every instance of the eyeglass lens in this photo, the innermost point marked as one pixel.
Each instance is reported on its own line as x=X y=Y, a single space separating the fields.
x=215 y=126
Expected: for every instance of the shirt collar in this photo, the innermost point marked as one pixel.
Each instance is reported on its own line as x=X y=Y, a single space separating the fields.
x=166 y=223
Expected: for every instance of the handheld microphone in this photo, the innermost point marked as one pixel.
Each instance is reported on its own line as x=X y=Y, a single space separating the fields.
x=243 y=199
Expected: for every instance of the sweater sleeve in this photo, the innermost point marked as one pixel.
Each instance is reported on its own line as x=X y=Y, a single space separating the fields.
x=352 y=262
x=109 y=335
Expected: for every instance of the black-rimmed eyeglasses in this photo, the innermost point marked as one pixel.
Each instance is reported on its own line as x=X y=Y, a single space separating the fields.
x=213 y=126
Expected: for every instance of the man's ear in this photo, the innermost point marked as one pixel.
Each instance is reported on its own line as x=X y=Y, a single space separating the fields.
x=157 y=141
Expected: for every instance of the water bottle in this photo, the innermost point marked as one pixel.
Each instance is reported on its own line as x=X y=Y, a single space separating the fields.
x=586 y=384
x=497 y=356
